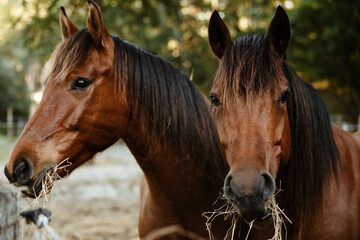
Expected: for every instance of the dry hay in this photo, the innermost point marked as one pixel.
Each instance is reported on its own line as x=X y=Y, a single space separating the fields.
x=279 y=218
x=50 y=177
x=228 y=211
x=46 y=185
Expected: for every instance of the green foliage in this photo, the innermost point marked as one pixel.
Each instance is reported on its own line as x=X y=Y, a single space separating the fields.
x=13 y=91
x=325 y=47
x=176 y=30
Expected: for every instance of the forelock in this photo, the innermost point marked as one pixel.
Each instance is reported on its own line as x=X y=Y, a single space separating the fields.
x=66 y=56
x=248 y=67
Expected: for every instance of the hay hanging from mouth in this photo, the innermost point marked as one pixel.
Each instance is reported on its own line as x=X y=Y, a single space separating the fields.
x=228 y=211
x=48 y=181
x=46 y=185
x=51 y=176
x=250 y=227
x=279 y=218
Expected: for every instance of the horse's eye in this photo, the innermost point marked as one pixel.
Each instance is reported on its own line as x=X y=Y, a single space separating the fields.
x=214 y=100
x=284 y=96
x=80 y=84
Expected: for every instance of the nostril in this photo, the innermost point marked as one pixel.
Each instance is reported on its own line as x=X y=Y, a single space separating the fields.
x=227 y=188
x=8 y=176
x=269 y=186
x=22 y=172
x=227 y=181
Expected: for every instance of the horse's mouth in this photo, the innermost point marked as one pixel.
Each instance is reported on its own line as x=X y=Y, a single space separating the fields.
x=260 y=222
x=41 y=185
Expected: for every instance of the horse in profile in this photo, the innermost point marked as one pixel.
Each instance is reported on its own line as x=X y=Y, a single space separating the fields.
x=276 y=133
x=100 y=88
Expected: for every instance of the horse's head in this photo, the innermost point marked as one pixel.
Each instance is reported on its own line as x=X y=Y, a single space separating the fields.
x=250 y=94
x=80 y=113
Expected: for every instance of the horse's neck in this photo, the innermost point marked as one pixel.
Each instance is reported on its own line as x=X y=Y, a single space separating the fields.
x=341 y=193
x=349 y=148
x=171 y=170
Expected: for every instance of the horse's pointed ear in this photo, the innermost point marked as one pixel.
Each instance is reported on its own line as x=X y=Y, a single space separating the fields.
x=96 y=26
x=279 y=32
x=68 y=28
x=219 y=35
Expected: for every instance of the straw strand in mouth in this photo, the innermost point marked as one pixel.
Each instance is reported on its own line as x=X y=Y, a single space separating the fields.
x=227 y=210
x=48 y=181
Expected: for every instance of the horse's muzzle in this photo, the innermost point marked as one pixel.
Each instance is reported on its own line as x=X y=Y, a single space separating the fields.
x=22 y=172
x=23 y=176
x=251 y=205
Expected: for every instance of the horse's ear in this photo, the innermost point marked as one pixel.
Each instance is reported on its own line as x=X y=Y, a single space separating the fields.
x=279 y=32
x=95 y=24
x=68 y=28
x=219 y=35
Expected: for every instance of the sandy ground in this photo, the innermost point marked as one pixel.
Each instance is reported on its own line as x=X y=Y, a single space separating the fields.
x=98 y=201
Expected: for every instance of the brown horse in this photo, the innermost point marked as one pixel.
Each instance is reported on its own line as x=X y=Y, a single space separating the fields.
x=98 y=89
x=276 y=133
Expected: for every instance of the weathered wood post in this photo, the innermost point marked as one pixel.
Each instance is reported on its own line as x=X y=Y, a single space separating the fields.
x=9 y=213
x=10 y=123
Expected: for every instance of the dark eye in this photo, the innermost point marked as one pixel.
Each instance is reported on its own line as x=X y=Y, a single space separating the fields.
x=80 y=84
x=284 y=96
x=214 y=100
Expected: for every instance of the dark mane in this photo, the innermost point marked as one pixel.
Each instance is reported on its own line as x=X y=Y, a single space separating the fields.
x=314 y=154
x=171 y=107
x=245 y=69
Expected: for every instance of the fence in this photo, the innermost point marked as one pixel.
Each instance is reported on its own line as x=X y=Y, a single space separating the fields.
x=9 y=214
x=12 y=129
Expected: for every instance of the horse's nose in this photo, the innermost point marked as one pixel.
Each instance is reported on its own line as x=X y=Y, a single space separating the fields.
x=268 y=184
x=249 y=193
x=22 y=172
x=228 y=191
x=264 y=187
x=8 y=176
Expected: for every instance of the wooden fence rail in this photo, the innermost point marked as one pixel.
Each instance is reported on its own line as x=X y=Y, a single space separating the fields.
x=9 y=214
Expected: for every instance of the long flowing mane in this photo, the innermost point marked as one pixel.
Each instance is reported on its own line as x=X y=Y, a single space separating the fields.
x=314 y=154
x=249 y=67
x=170 y=104
x=170 y=107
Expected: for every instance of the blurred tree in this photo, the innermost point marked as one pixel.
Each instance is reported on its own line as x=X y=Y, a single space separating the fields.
x=325 y=47
x=177 y=31
x=13 y=91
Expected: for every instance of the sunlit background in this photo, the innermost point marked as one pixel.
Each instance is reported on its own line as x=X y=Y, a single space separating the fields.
x=101 y=200
x=324 y=49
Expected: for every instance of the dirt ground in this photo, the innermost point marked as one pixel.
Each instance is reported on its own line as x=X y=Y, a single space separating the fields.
x=97 y=201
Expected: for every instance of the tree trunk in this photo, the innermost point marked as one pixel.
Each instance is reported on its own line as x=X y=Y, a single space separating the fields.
x=10 y=123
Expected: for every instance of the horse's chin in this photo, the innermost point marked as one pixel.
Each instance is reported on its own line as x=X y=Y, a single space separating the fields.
x=263 y=222
x=259 y=223
x=35 y=187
